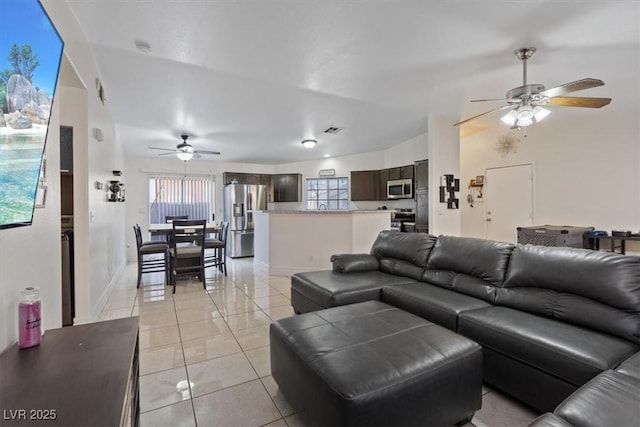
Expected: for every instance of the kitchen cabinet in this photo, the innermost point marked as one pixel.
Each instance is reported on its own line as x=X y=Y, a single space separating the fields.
x=422 y=211
x=365 y=185
x=402 y=172
x=382 y=187
x=245 y=178
x=394 y=174
x=406 y=172
x=80 y=375
x=422 y=175
x=422 y=195
x=231 y=177
x=287 y=187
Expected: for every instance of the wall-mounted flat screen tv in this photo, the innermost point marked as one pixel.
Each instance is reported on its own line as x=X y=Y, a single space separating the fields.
x=30 y=55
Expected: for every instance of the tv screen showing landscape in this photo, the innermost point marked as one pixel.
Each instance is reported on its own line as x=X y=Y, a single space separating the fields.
x=30 y=54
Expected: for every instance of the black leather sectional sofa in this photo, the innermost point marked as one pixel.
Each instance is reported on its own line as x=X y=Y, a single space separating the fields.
x=548 y=319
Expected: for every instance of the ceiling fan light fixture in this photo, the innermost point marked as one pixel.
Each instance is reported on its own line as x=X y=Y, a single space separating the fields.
x=540 y=113
x=525 y=115
x=309 y=143
x=510 y=118
x=185 y=155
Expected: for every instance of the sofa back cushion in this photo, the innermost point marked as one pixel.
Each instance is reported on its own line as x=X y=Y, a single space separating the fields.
x=403 y=254
x=470 y=266
x=598 y=290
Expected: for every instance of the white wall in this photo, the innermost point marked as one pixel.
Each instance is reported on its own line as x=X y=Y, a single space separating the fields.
x=585 y=170
x=98 y=224
x=444 y=158
x=30 y=256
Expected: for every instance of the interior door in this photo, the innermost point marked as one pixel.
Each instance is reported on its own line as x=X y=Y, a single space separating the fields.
x=508 y=193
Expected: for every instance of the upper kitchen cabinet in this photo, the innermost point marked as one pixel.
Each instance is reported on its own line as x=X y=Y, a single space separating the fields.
x=406 y=172
x=382 y=187
x=365 y=185
x=245 y=178
x=422 y=175
x=402 y=172
x=287 y=187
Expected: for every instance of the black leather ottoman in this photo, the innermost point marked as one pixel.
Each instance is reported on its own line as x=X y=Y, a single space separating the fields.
x=373 y=364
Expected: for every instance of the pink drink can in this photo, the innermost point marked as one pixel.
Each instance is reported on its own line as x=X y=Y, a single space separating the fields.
x=29 y=330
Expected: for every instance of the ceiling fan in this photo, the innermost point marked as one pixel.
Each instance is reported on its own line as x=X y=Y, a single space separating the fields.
x=527 y=101
x=184 y=150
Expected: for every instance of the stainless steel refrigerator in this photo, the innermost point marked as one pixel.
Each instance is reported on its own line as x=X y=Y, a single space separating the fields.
x=240 y=201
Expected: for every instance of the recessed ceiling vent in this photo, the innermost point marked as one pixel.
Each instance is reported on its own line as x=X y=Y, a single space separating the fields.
x=332 y=129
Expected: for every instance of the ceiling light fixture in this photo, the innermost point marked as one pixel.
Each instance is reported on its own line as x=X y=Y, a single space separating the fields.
x=185 y=152
x=142 y=46
x=327 y=155
x=184 y=155
x=309 y=143
x=525 y=115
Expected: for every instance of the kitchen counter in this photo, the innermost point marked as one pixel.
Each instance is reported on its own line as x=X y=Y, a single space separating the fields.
x=291 y=241
x=329 y=212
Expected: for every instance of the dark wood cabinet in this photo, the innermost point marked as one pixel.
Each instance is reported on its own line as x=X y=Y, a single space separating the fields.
x=394 y=173
x=382 y=187
x=280 y=188
x=402 y=172
x=422 y=175
x=365 y=185
x=287 y=187
x=406 y=172
x=231 y=177
x=422 y=211
x=245 y=178
x=253 y=179
x=80 y=375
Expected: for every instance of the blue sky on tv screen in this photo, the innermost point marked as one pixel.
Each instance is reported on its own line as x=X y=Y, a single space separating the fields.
x=25 y=22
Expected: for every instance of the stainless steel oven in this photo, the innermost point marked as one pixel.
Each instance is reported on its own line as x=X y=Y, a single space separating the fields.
x=400 y=189
x=403 y=220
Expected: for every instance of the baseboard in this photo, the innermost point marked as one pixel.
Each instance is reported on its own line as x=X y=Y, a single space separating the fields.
x=269 y=270
x=102 y=302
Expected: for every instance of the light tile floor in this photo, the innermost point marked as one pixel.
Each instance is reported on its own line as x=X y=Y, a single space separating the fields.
x=204 y=353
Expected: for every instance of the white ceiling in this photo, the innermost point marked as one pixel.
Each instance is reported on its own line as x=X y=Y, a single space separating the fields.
x=252 y=78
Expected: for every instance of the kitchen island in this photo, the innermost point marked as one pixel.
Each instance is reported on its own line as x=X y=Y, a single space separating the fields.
x=291 y=241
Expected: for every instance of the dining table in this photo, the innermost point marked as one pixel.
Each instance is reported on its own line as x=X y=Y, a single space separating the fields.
x=164 y=230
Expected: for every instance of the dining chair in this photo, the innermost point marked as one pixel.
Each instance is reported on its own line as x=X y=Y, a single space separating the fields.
x=168 y=219
x=147 y=262
x=219 y=245
x=187 y=250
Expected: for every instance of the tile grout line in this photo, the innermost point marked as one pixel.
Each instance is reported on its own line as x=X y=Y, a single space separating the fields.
x=184 y=358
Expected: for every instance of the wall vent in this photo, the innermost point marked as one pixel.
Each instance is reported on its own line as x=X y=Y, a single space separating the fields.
x=332 y=129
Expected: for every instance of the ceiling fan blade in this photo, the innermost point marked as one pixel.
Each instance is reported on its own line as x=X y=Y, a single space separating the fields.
x=163 y=149
x=167 y=154
x=196 y=155
x=216 y=153
x=572 y=87
x=486 y=112
x=574 y=101
x=485 y=100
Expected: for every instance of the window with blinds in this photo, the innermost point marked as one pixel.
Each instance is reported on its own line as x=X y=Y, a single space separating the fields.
x=180 y=195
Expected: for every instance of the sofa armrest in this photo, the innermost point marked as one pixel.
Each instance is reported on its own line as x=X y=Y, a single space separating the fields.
x=549 y=420
x=349 y=263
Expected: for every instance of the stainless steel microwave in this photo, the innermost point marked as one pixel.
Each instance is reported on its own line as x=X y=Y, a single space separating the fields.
x=400 y=189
